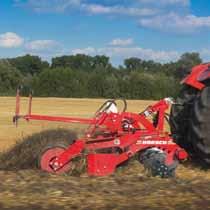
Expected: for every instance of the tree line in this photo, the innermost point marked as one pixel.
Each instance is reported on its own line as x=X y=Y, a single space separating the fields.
x=83 y=76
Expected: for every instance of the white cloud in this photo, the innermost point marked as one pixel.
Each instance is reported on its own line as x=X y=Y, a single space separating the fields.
x=90 y=7
x=125 y=52
x=42 y=46
x=205 y=54
x=49 y=5
x=166 y=2
x=97 y=9
x=176 y=23
x=45 y=49
x=86 y=51
x=121 y=42
x=164 y=15
x=10 y=40
x=147 y=54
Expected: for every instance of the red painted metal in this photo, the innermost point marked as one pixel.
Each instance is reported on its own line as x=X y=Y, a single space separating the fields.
x=17 y=110
x=50 y=155
x=71 y=152
x=58 y=119
x=101 y=164
x=198 y=74
x=30 y=104
x=112 y=139
x=181 y=154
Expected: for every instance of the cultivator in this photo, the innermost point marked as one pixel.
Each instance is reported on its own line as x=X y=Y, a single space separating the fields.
x=112 y=138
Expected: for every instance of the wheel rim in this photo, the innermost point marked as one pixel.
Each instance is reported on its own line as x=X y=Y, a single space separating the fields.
x=48 y=156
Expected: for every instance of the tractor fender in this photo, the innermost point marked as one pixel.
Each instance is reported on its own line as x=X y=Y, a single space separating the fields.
x=198 y=75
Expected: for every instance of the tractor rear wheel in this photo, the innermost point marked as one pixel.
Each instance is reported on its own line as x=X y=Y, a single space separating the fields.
x=199 y=126
x=180 y=116
x=190 y=122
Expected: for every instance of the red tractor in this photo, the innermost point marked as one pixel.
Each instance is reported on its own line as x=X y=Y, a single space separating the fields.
x=112 y=138
x=190 y=116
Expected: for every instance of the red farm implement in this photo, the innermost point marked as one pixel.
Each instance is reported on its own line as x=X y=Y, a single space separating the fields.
x=112 y=138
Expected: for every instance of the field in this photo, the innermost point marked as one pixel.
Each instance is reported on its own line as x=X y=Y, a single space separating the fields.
x=128 y=188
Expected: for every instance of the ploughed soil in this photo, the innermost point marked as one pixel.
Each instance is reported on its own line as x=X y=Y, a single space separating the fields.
x=24 y=187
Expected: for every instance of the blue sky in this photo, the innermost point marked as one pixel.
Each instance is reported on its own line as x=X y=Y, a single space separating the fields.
x=149 y=29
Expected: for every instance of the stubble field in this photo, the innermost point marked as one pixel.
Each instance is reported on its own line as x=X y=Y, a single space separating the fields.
x=128 y=188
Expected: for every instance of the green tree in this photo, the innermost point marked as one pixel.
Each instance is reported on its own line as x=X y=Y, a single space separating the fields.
x=59 y=82
x=29 y=65
x=186 y=62
x=10 y=78
x=101 y=61
x=74 y=62
x=141 y=86
x=81 y=62
x=133 y=63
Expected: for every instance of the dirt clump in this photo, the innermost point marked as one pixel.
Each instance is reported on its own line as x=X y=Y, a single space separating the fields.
x=25 y=153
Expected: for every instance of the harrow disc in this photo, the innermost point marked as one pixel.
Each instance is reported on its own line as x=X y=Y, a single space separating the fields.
x=48 y=156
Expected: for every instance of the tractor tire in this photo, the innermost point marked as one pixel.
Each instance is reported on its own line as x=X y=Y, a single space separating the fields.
x=190 y=123
x=154 y=163
x=199 y=126
x=180 y=117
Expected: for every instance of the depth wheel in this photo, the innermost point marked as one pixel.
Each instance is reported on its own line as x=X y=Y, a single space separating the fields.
x=48 y=156
x=154 y=162
x=55 y=146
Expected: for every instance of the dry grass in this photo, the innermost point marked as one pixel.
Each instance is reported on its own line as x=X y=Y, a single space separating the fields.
x=48 y=106
x=128 y=188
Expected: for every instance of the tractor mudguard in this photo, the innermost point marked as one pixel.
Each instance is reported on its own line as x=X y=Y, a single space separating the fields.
x=198 y=75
